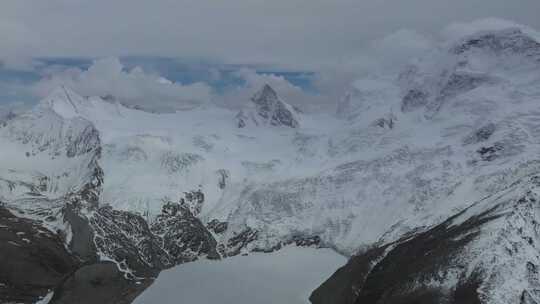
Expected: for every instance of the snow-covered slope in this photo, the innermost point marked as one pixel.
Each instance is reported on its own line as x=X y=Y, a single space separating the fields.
x=481 y=94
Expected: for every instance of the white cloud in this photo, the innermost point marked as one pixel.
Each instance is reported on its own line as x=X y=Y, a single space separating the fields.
x=382 y=57
x=253 y=81
x=398 y=48
x=135 y=87
x=340 y=41
x=19 y=62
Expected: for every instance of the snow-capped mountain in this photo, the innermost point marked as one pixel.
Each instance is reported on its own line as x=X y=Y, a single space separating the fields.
x=50 y=156
x=56 y=226
x=268 y=109
x=438 y=161
x=486 y=252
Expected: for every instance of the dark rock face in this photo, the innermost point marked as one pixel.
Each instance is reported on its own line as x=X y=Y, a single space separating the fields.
x=223 y=175
x=387 y=122
x=241 y=119
x=306 y=241
x=88 y=142
x=183 y=236
x=269 y=109
x=490 y=153
x=84 y=141
x=126 y=238
x=236 y=243
x=34 y=260
x=193 y=200
x=217 y=227
x=98 y=283
x=297 y=240
x=92 y=190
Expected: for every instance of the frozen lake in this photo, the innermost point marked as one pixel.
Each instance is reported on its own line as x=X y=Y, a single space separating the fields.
x=287 y=276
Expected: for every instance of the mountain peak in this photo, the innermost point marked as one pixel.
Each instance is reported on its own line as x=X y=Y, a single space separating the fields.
x=266 y=93
x=509 y=40
x=269 y=109
x=63 y=101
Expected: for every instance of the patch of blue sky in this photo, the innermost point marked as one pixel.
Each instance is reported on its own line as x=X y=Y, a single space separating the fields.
x=220 y=77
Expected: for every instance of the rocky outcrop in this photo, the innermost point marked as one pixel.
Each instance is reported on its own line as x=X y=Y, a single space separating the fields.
x=268 y=109
x=104 y=256
x=141 y=249
x=217 y=227
x=240 y=240
x=297 y=240
x=126 y=238
x=387 y=122
x=194 y=201
x=183 y=236
x=223 y=177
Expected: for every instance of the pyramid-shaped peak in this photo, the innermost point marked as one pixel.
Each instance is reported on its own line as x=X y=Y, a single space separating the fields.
x=268 y=109
x=266 y=93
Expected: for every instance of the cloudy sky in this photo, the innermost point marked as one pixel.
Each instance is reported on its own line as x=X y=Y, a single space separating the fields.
x=163 y=51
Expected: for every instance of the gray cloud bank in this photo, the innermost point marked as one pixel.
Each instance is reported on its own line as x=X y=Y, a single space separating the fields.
x=299 y=33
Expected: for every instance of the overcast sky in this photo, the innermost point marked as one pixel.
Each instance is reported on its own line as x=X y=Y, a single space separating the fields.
x=285 y=32
x=283 y=35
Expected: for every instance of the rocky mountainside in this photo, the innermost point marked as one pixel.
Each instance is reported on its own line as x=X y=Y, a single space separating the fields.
x=487 y=253
x=62 y=242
